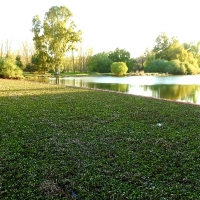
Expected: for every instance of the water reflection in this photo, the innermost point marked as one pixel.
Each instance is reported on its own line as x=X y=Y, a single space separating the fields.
x=188 y=93
x=178 y=88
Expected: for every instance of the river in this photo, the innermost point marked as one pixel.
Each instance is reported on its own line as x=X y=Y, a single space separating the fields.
x=178 y=88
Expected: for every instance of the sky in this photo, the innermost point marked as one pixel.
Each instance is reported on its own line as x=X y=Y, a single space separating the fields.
x=132 y=25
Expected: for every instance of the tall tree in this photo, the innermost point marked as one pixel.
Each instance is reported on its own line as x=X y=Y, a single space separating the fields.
x=26 y=52
x=99 y=63
x=5 y=49
x=176 y=51
x=140 y=63
x=55 y=36
x=193 y=48
x=119 y=55
x=161 y=47
x=39 y=59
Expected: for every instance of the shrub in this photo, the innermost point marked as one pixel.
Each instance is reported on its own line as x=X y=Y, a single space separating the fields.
x=8 y=69
x=119 y=68
x=158 y=65
x=172 y=67
x=176 y=67
x=190 y=68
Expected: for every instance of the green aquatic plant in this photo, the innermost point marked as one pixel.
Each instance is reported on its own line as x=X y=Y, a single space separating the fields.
x=61 y=142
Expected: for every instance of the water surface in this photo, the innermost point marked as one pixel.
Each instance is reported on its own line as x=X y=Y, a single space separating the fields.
x=178 y=88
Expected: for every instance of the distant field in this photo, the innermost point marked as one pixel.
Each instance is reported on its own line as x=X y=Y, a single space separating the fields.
x=61 y=142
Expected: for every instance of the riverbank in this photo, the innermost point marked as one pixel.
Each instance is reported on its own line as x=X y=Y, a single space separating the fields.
x=61 y=142
x=93 y=74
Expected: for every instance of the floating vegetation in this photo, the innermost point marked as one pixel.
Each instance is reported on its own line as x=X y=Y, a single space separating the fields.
x=61 y=142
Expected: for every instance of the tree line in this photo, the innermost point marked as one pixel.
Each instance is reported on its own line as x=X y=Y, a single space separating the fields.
x=170 y=56
x=167 y=56
x=58 y=47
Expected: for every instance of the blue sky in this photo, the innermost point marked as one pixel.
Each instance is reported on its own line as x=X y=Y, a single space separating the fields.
x=107 y=24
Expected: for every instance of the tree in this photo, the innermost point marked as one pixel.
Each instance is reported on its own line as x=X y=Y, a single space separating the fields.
x=132 y=65
x=55 y=36
x=149 y=59
x=18 y=62
x=161 y=47
x=39 y=59
x=183 y=58
x=26 y=52
x=140 y=62
x=157 y=65
x=176 y=67
x=99 y=63
x=5 y=49
x=31 y=67
x=193 y=48
x=88 y=54
x=119 y=55
x=176 y=51
x=119 y=68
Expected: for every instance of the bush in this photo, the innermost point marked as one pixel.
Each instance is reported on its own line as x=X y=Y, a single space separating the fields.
x=176 y=67
x=8 y=69
x=172 y=67
x=191 y=69
x=158 y=65
x=119 y=68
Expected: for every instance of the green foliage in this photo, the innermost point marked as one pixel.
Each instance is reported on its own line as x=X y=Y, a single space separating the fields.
x=176 y=51
x=176 y=67
x=8 y=69
x=119 y=68
x=39 y=60
x=158 y=65
x=55 y=36
x=140 y=60
x=169 y=49
x=182 y=68
x=99 y=63
x=191 y=69
x=193 y=48
x=182 y=59
x=19 y=62
x=119 y=55
x=149 y=59
x=65 y=141
x=162 y=44
x=31 y=67
x=172 y=67
x=132 y=65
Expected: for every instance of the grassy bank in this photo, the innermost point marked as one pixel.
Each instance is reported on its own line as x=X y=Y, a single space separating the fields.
x=33 y=76
x=62 y=142
x=28 y=75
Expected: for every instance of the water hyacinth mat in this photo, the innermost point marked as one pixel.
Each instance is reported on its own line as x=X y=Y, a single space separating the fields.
x=61 y=142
